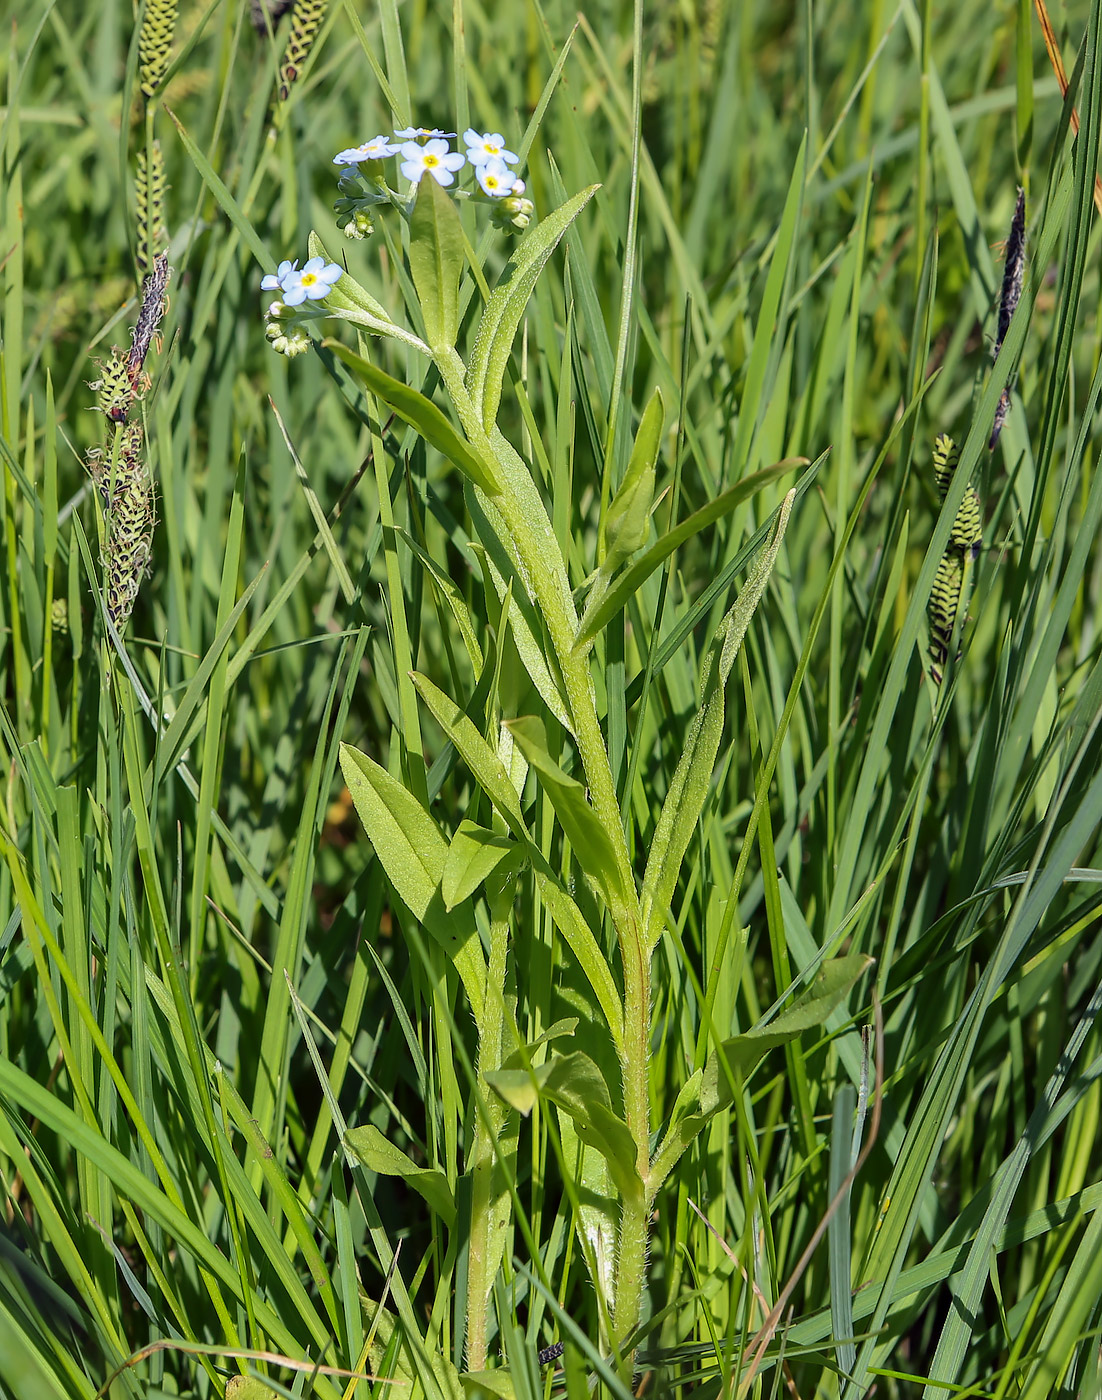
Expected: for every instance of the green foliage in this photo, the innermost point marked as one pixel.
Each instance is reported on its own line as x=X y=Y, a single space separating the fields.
x=461 y=911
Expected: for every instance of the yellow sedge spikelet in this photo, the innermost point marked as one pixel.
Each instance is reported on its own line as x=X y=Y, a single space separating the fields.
x=128 y=538
x=114 y=391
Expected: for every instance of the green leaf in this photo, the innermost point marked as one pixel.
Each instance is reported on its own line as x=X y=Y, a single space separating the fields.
x=501 y=317
x=379 y=1155
x=436 y=260
x=627 y=523
x=475 y=752
x=423 y=415
x=248 y=1388
x=491 y=776
x=709 y=1090
x=692 y=779
x=413 y=853
x=592 y=845
x=226 y=201
x=523 y=619
x=570 y=922
x=603 y=609
x=477 y=1384
x=346 y=294
x=575 y=1084
x=473 y=856
x=743 y=1052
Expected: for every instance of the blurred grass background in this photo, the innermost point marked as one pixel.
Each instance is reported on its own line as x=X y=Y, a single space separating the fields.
x=822 y=190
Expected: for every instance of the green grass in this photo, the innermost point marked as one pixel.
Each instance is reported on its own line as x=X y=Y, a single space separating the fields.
x=258 y=1083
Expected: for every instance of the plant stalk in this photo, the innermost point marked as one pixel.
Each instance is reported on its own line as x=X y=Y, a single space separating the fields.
x=521 y=507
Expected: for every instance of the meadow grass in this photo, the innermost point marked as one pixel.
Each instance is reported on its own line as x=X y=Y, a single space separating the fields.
x=285 y=1110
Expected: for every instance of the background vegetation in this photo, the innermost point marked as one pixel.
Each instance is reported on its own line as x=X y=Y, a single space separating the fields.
x=204 y=976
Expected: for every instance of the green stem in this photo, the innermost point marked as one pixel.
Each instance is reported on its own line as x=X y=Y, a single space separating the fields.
x=537 y=550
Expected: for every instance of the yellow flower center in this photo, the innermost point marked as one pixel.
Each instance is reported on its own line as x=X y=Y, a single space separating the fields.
x=432 y=160
x=308 y=279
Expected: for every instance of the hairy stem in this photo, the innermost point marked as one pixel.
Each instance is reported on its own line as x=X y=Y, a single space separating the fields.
x=537 y=551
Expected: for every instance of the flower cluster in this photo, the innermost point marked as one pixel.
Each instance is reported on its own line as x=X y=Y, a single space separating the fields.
x=422 y=149
x=287 y=315
x=364 y=187
x=310 y=283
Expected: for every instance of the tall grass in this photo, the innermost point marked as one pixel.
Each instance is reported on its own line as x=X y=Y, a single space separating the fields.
x=250 y=1124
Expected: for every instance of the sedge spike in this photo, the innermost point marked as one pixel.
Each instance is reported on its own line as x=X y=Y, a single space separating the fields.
x=128 y=539
x=266 y=14
x=1013 y=273
x=149 y=192
x=114 y=390
x=155 y=43
x=149 y=317
x=306 y=20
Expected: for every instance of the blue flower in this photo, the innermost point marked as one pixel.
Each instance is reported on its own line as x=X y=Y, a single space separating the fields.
x=434 y=157
x=313 y=283
x=277 y=278
x=421 y=133
x=489 y=146
x=495 y=177
x=378 y=148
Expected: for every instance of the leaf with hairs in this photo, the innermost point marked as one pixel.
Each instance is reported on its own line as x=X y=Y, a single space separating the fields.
x=575 y=1084
x=379 y=1155
x=436 y=260
x=413 y=853
x=423 y=415
x=473 y=856
x=603 y=609
x=491 y=776
x=708 y=1090
x=501 y=316
x=591 y=843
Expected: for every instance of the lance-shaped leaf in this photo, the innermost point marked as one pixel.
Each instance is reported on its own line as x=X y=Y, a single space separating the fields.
x=473 y=856
x=708 y=1091
x=436 y=260
x=592 y=845
x=628 y=520
x=602 y=609
x=523 y=627
x=379 y=1155
x=490 y=774
x=423 y=415
x=575 y=1084
x=346 y=293
x=413 y=853
x=689 y=788
x=501 y=317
